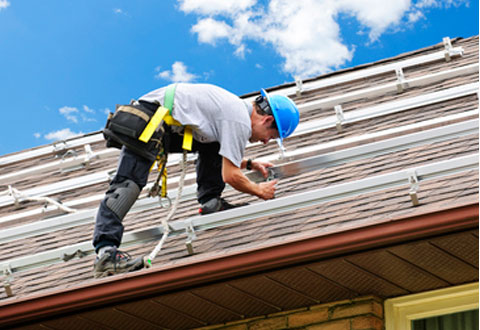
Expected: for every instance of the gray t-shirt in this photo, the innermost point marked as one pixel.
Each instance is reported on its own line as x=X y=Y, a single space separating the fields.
x=214 y=114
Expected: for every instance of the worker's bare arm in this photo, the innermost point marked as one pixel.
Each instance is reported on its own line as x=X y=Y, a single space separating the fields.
x=235 y=178
x=258 y=166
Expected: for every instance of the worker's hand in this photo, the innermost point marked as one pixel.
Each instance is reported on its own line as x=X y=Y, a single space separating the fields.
x=261 y=167
x=267 y=189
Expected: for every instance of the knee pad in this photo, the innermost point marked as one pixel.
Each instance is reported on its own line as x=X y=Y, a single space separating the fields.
x=121 y=197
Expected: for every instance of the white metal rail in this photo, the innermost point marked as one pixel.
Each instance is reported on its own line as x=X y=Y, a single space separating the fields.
x=320 y=160
x=336 y=79
x=53 y=148
x=76 y=161
x=339 y=78
x=267 y=208
x=325 y=123
x=329 y=102
x=402 y=84
x=318 y=149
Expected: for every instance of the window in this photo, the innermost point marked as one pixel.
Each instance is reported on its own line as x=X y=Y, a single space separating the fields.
x=416 y=311
x=467 y=320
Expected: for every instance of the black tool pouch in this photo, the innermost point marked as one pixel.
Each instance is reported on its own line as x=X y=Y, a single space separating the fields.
x=126 y=125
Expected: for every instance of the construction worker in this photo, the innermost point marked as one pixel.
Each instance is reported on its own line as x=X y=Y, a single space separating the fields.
x=222 y=125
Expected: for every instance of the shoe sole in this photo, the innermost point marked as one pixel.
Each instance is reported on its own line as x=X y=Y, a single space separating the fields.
x=111 y=271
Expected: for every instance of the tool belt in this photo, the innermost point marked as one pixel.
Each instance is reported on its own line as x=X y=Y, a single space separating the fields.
x=139 y=126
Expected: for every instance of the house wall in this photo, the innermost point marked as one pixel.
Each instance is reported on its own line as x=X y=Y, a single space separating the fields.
x=364 y=313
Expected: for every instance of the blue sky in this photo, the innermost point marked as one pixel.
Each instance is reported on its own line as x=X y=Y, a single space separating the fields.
x=64 y=63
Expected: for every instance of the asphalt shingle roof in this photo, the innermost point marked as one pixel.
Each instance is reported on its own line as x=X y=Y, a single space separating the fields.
x=342 y=214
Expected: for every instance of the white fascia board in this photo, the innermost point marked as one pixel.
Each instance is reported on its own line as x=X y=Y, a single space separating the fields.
x=320 y=160
x=266 y=208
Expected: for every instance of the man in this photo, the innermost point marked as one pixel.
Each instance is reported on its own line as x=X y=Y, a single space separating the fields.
x=222 y=125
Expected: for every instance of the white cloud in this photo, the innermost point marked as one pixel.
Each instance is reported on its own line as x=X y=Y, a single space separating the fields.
x=375 y=14
x=440 y=3
x=69 y=113
x=414 y=16
x=74 y=115
x=426 y=3
x=37 y=135
x=4 y=4
x=120 y=11
x=212 y=7
x=178 y=73
x=87 y=109
x=306 y=33
x=62 y=134
x=210 y=30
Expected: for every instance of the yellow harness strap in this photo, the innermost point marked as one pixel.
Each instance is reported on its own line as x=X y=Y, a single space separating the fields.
x=165 y=114
x=153 y=124
x=156 y=189
x=163 y=192
x=187 y=139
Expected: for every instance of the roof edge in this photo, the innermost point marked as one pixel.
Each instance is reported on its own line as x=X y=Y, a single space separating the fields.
x=140 y=284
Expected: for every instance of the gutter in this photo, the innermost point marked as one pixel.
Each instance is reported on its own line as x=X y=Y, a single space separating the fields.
x=138 y=285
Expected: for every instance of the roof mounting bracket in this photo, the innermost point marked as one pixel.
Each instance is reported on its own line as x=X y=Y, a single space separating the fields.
x=190 y=238
x=340 y=117
x=79 y=253
x=449 y=50
x=59 y=146
x=299 y=84
x=67 y=153
x=89 y=155
x=414 y=185
x=401 y=85
x=18 y=197
x=13 y=192
x=8 y=278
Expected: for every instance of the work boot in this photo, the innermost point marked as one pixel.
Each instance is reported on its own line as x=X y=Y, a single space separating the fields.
x=113 y=262
x=217 y=204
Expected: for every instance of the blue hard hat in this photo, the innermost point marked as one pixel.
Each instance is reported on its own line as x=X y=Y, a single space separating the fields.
x=285 y=112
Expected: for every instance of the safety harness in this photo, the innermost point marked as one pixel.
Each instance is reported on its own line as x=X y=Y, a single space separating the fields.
x=140 y=128
x=164 y=114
